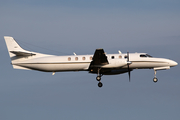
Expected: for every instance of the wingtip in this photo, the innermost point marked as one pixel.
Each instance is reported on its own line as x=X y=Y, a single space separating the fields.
x=7 y=37
x=99 y=49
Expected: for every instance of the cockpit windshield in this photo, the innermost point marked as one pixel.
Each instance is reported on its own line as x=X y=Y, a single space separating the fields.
x=145 y=55
x=148 y=55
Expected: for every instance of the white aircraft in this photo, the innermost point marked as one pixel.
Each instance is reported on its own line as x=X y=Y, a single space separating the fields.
x=100 y=63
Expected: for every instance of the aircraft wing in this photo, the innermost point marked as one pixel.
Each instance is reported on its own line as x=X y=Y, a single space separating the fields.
x=99 y=58
x=20 y=53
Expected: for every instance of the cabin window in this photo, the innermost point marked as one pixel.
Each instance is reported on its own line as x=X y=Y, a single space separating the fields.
x=120 y=56
x=83 y=58
x=69 y=59
x=125 y=56
x=90 y=58
x=112 y=57
x=76 y=58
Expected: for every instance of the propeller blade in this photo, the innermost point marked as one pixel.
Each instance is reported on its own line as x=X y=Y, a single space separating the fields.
x=128 y=63
x=129 y=73
x=127 y=56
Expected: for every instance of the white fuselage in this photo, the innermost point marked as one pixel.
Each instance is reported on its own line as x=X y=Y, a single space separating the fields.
x=99 y=63
x=52 y=63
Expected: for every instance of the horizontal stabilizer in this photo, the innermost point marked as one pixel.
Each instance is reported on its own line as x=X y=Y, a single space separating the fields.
x=20 y=53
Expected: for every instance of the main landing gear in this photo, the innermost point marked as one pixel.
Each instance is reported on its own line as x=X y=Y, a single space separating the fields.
x=100 y=84
x=155 y=79
x=98 y=78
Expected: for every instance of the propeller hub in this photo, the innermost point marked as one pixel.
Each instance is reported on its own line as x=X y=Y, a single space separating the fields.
x=129 y=62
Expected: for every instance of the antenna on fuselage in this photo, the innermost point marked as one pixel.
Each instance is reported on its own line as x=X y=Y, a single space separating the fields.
x=74 y=53
x=119 y=52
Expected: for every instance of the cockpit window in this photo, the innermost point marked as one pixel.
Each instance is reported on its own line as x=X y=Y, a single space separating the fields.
x=145 y=55
x=142 y=55
x=148 y=55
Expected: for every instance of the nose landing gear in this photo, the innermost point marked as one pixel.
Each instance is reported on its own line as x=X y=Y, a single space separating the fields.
x=155 y=79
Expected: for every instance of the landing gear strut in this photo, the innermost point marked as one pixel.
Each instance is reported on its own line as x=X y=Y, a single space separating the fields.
x=98 y=78
x=155 y=79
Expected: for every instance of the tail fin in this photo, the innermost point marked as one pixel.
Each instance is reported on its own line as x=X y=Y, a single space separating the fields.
x=14 y=49
x=16 y=53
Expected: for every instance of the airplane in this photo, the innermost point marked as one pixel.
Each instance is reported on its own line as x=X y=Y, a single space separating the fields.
x=99 y=63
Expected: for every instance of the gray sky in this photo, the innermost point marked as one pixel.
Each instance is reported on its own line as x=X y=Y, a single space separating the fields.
x=81 y=26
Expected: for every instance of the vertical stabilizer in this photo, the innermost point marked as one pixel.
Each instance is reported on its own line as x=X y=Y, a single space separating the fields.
x=16 y=53
x=12 y=45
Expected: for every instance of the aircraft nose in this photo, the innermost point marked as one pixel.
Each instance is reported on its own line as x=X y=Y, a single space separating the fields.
x=172 y=63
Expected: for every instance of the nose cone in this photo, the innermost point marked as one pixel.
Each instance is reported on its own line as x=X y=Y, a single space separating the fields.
x=172 y=63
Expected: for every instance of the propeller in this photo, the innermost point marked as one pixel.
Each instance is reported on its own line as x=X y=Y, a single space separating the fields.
x=128 y=63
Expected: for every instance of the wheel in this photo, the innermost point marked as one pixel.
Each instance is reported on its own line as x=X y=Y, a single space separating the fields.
x=155 y=79
x=98 y=78
x=100 y=84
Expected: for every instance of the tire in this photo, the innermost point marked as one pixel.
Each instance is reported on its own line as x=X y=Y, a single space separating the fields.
x=98 y=78
x=100 y=84
x=155 y=79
